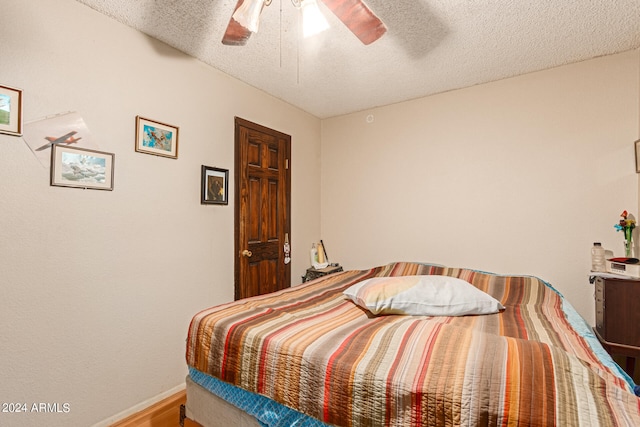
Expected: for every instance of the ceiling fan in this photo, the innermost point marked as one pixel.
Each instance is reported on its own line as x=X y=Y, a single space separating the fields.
x=355 y=14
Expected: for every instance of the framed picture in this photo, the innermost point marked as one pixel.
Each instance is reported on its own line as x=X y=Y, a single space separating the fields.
x=10 y=111
x=81 y=168
x=156 y=138
x=637 y=145
x=214 y=188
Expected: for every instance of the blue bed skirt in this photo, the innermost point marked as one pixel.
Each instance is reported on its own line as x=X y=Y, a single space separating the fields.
x=267 y=412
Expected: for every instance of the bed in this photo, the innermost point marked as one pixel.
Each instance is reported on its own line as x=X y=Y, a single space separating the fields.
x=311 y=356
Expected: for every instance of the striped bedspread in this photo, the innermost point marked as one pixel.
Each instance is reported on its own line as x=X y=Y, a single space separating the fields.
x=311 y=349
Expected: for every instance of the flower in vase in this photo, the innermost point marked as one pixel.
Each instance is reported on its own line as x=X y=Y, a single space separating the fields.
x=626 y=225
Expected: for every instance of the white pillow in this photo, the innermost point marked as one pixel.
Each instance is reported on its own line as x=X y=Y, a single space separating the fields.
x=422 y=296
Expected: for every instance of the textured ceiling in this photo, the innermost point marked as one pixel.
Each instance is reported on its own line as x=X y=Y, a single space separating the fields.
x=431 y=45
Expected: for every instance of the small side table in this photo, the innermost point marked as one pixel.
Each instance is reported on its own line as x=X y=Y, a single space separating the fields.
x=618 y=318
x=313 y=273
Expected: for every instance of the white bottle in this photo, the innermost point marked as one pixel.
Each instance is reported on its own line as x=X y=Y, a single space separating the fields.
x=597 y=258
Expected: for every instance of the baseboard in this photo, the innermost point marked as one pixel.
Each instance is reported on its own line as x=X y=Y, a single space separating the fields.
x=108 y=422
x=165 y=413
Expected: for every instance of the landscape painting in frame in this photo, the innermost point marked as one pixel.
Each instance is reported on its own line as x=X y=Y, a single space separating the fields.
x=156 y=138
x=214 y=186
x=81 y=168
x=10 y=111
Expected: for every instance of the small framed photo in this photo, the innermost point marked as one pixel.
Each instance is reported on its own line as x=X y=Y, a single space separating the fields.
x=156 y=138
x=10 y=111
x=214 y=188
x=637 y=145
x=81 y=168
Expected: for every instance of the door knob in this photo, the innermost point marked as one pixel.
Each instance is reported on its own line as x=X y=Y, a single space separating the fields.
x=247 y=253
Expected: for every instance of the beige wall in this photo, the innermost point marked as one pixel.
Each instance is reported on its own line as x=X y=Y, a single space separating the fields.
x=518 y=176
x=98 y=288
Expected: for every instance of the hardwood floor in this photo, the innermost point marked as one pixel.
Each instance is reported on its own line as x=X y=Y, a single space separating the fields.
x=165 y=413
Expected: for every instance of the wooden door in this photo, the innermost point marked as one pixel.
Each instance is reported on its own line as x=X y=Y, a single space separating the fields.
x=262 y=209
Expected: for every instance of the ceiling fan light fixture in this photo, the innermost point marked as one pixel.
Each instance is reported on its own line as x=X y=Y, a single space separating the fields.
x=313 y=21
x=248 y=14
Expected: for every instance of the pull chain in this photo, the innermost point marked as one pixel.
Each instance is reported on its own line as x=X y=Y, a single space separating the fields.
x=280 y=47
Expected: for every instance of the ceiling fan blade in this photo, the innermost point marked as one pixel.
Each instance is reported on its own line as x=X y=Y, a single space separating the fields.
x=358 y=18
x=236 y=34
